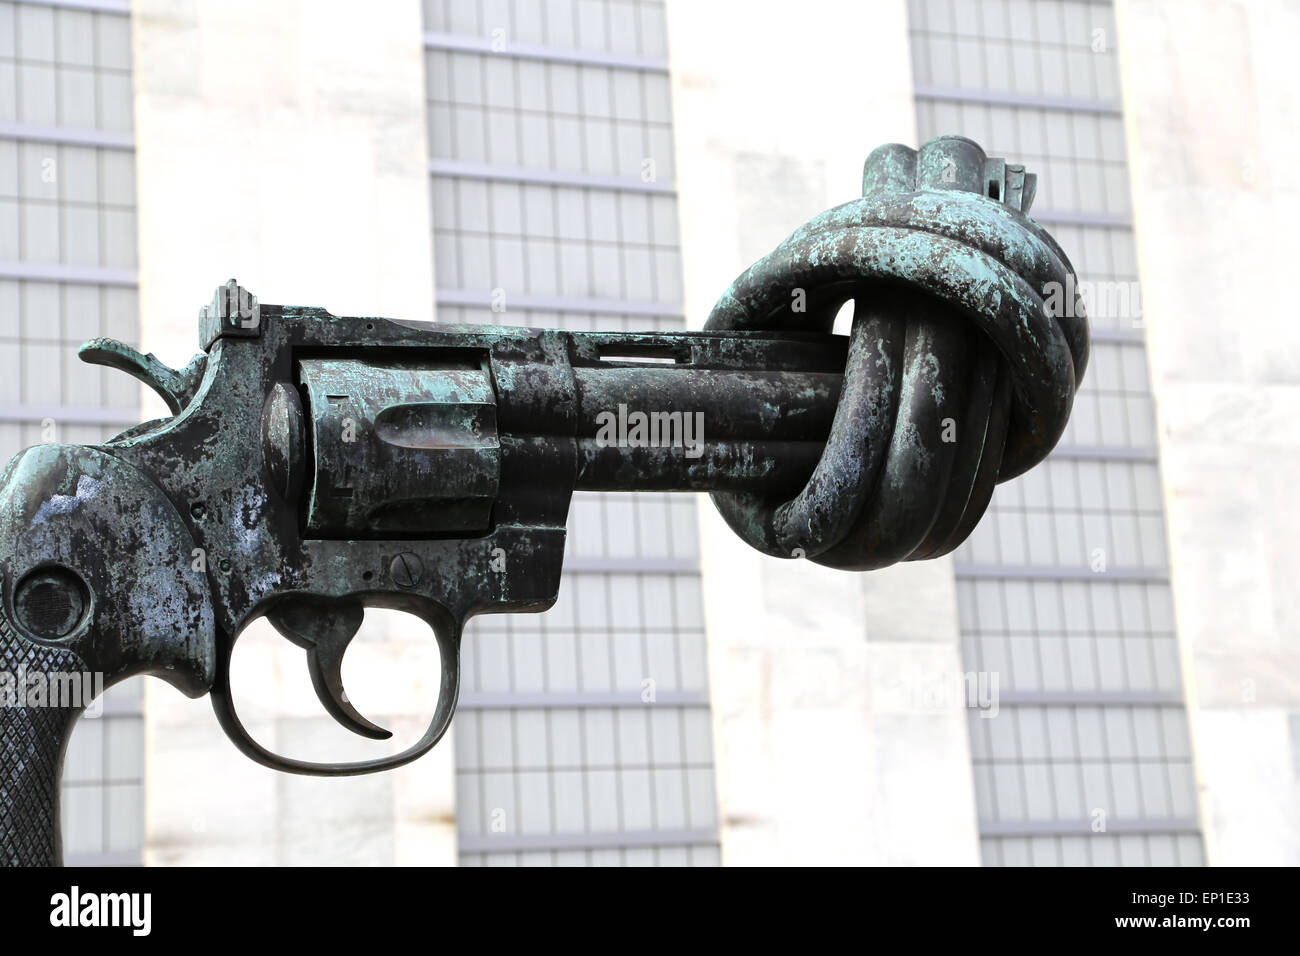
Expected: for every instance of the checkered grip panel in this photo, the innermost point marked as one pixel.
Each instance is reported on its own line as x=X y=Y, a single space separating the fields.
x=32 y=741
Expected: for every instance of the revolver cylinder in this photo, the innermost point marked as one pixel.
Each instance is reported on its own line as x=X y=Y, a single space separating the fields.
x=400 y=449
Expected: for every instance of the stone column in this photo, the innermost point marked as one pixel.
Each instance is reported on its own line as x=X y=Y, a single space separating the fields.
x=284 y=144
x=1213 y=130
x=832 y=745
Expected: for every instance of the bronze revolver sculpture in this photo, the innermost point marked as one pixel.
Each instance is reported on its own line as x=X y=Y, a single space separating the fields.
x=316 y=465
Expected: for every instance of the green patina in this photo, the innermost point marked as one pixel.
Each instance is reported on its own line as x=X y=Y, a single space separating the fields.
x=316 y=465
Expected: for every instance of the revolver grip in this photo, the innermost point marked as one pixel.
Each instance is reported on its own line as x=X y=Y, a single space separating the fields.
x=33 y=739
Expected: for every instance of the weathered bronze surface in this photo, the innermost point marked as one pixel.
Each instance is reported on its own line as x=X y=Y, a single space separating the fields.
x=316 y=465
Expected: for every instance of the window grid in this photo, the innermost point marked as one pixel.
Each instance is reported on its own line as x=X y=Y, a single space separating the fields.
x=556 y=240
x=41 y=326
x=1093 y=176
x=492 y=108
x=72 y=205
x=1079 y=513
x=1074 y=763
x=1068 y=765
x=663 y=855
x=1044 y=47
x=609 y=26
x=546 y=318
x=68 y=68
x=563 y=771
x=1070 y=636
x=1094 y=850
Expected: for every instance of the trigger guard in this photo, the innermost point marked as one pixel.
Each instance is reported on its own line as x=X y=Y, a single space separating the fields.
x=448 y=638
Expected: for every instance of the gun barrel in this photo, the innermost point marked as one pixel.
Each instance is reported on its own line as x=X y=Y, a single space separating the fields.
x=683 y=428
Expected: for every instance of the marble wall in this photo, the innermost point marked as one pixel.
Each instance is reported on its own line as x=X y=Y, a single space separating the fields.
x=829 y=747
x=284 y=145
x=1213 y=128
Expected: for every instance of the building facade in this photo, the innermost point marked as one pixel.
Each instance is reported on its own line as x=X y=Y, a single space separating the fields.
x=613 y=164
x=584 y=734
x=68 y=273
x=1064 y=587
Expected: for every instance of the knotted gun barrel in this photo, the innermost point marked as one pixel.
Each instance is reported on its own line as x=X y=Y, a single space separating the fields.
x=315 y=465
x=958 y=374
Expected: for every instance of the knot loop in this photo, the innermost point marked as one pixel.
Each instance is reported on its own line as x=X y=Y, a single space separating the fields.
x=959 y=375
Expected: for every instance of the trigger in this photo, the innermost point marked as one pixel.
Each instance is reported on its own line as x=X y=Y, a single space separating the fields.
x=324 y=630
